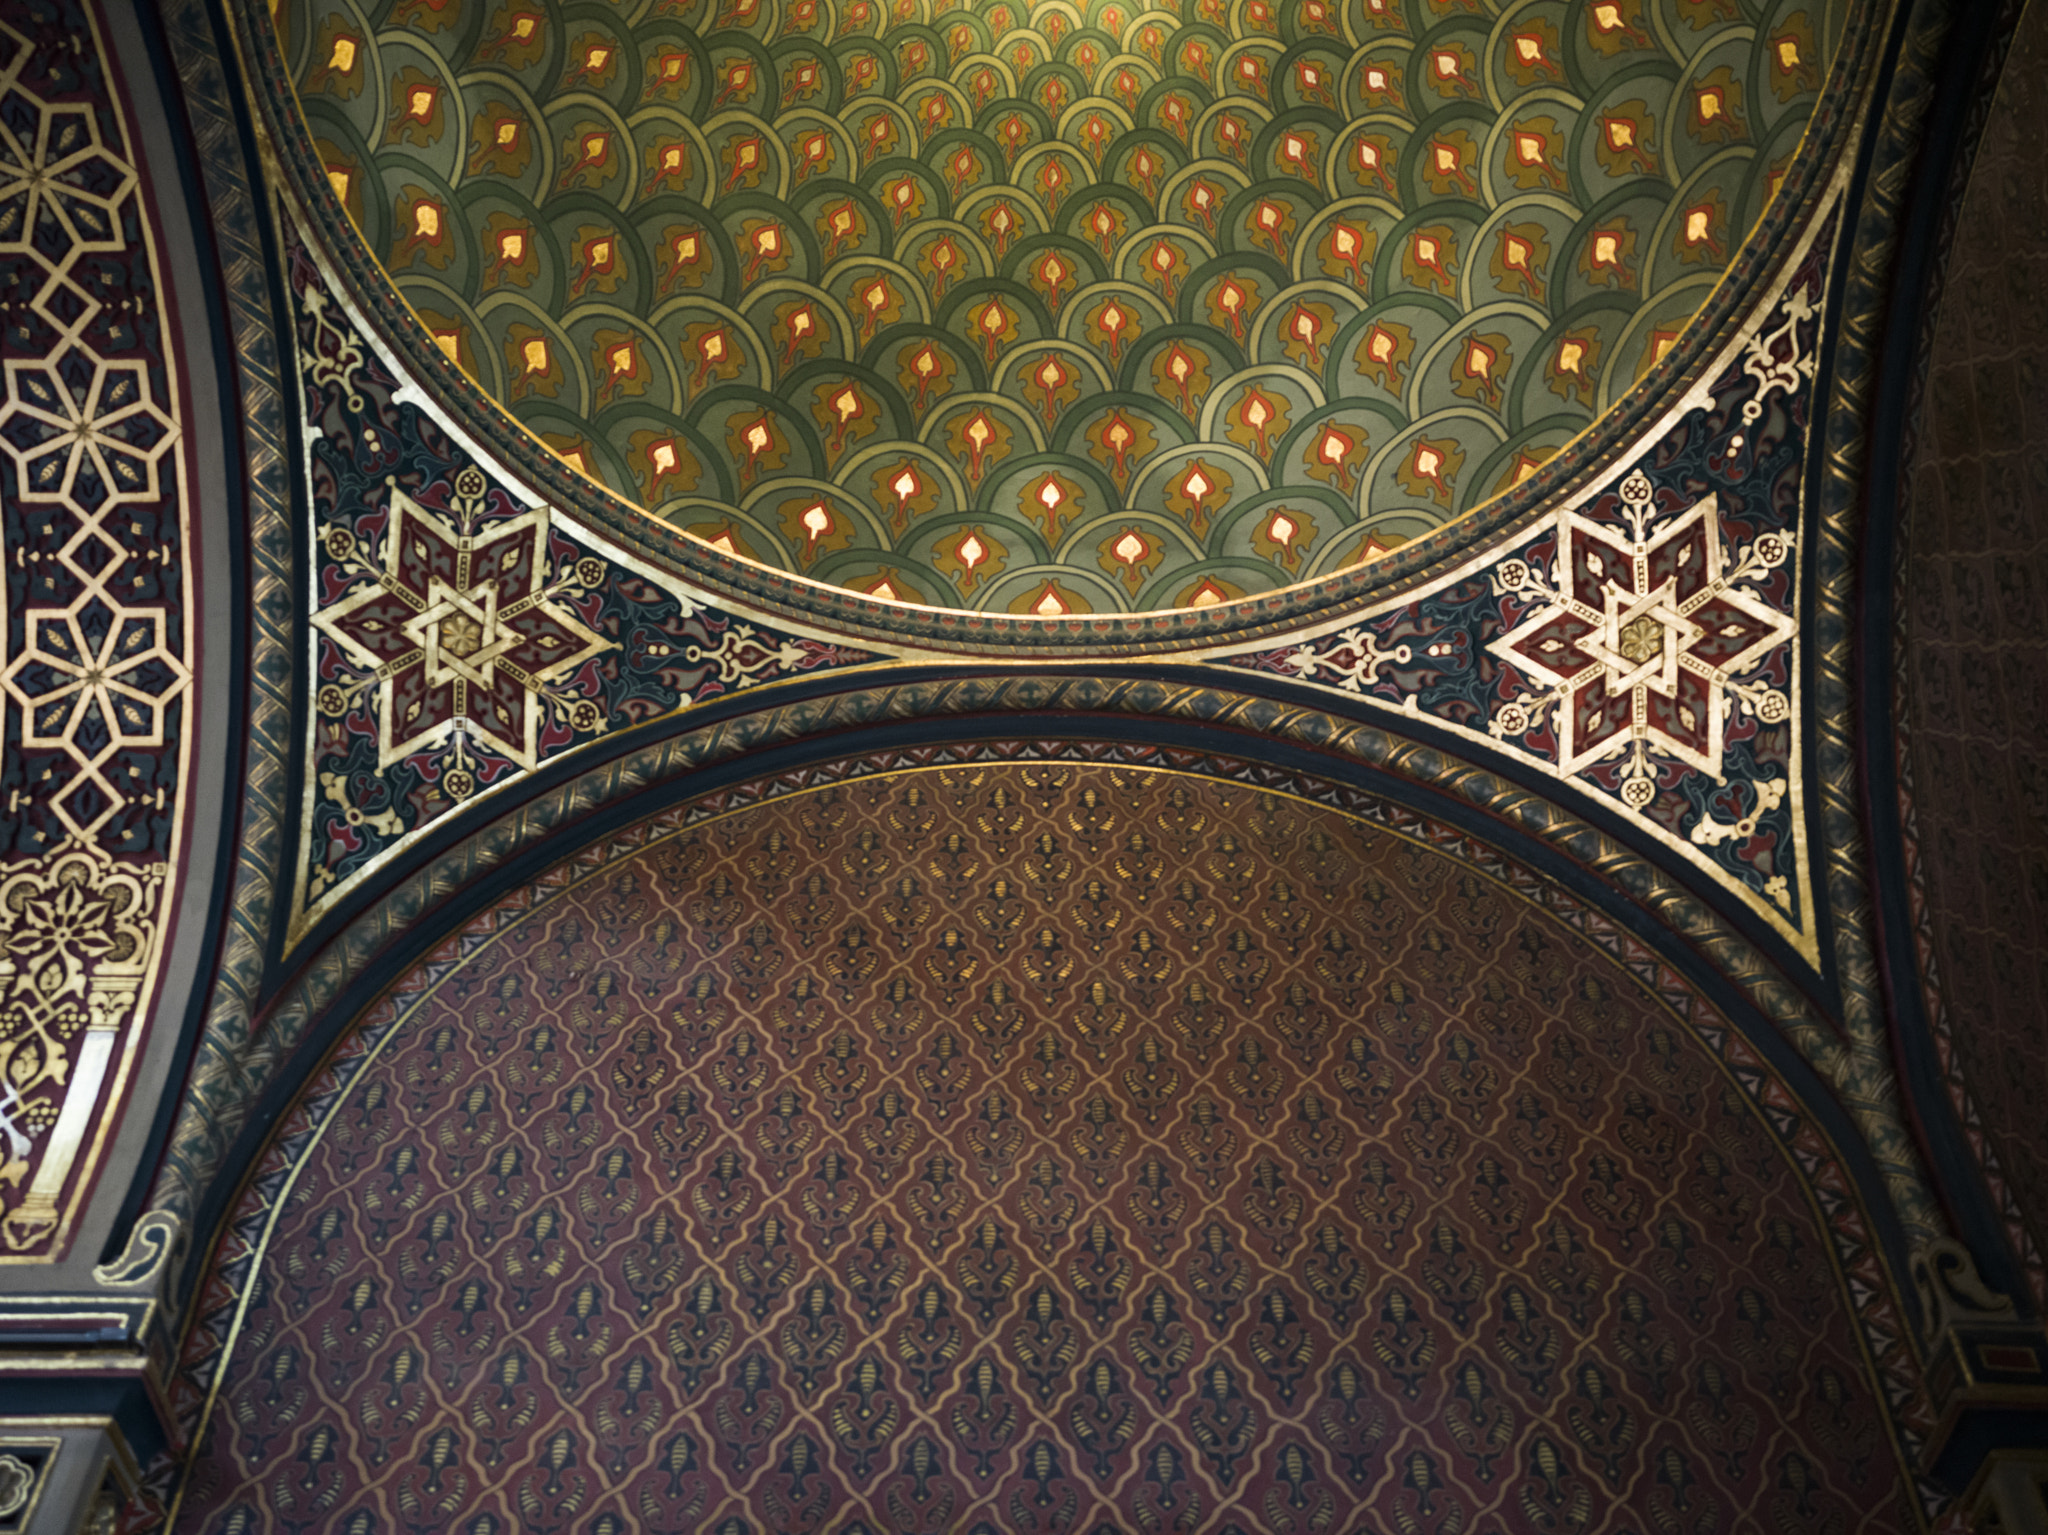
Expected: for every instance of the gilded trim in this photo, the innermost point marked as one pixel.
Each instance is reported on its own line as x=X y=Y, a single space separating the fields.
x=267 y=1193
x=96 y=655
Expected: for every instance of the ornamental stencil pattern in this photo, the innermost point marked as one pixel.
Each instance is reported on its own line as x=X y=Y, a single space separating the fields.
x=1639 y=637
x=1972 y=651
x=95 y=660
x=467 y=629
x=461 y=636
x=1039 y=1146
x=1641 y=645
x=1035 y=307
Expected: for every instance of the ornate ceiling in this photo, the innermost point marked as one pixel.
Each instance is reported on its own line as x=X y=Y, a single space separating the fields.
x=483 y=797
x=1045 y=308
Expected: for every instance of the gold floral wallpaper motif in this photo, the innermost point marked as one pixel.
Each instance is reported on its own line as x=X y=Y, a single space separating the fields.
x=95 y=659
x=1024 y=1146
x=1970 y=589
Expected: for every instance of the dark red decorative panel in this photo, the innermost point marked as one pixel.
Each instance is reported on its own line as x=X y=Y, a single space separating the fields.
x=1033 y=1148
x=1974 y=671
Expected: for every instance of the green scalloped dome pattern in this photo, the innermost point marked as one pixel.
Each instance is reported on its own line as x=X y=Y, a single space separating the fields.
x=1032 y=306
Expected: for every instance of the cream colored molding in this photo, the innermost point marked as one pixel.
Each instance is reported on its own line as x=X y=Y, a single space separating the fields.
x=64 y=1475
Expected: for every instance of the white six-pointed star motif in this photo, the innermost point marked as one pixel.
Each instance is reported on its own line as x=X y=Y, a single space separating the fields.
x=460 y=629
x=1638 y=638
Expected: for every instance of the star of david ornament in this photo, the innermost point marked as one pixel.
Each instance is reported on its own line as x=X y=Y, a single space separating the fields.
x=1638 y=639
x=460 y=626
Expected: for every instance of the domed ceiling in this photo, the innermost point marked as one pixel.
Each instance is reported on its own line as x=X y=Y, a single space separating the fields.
x=1043 y=308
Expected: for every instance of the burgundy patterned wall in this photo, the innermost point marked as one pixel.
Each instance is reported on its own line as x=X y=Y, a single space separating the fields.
x=1975 y=610
x=1032 y=1148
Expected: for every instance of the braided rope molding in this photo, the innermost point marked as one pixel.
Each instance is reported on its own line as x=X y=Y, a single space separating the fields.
x=1833 y=132
x=260 y=846
x=1860 y=1066
x=194 y=1163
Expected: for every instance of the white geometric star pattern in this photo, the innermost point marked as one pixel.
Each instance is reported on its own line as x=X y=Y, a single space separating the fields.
x=462 y=627
x=1639 y=641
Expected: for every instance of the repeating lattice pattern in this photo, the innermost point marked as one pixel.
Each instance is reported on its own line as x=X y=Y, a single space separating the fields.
x=1970 y=586
x=1042 y=1148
